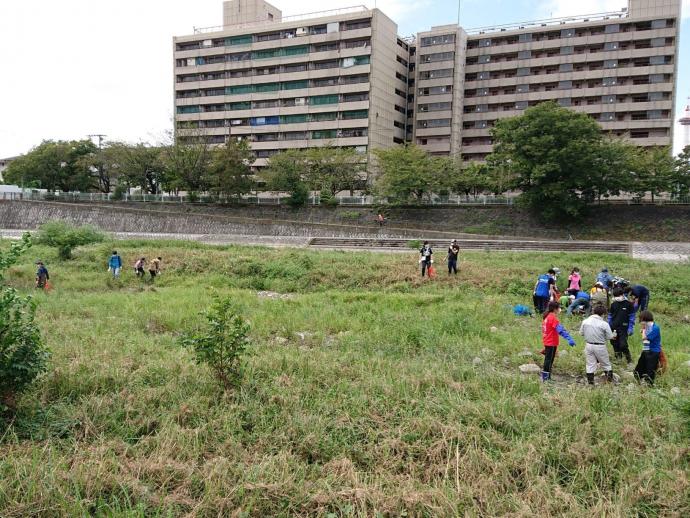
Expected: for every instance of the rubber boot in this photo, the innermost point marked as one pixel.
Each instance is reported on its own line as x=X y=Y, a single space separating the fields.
x=545 y=376
x=609 y=376
x=590 y=378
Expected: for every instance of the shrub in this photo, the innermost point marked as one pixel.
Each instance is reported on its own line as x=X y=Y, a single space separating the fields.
x=222 y=344
x=350 y=214
x=66 y=237
x=23 y=356
x=118 y=193
x=299 y=196
x=415 y=243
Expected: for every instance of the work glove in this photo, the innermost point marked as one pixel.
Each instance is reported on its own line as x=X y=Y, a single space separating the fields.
x=571 y=343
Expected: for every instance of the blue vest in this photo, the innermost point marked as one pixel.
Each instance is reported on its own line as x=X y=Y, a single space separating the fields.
x=543 y=286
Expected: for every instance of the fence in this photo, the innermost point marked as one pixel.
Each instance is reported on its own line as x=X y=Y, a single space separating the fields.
x=314 y=200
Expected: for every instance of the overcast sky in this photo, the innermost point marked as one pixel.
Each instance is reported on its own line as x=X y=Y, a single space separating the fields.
x=71 y=68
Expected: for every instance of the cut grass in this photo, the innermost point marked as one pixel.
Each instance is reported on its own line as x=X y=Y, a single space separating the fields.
x=375 y=404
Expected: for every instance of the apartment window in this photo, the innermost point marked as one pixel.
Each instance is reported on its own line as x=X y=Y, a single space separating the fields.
x=608 y=99
x=332 y=27
x=238 y=89
x=481 y=108
x=238 y=40
x=351 y=62
x=435 y=90
x=522 y=72
x=611 y=45
x=322 y=117
x=609 y=81
x=357 y=24
x=658 y=24
x=322 y=65
x=264 y=121
x=267 y=87
x=565 y=67
x=325 y=47
x=565 y=85
x=295 y=135
x=657 y=60
x=355 y=97
x=294 y=85
x=482 y=76
x=654 y=114
x=354 y=44
x=434 y=107
x=607 y=117
x=525 y=38
x=298 y=67
x=271 y=103
x=438 y=40
x=293 y=119
x=610 y=63
x=481 y=124
x=565 y=51
x=323 y=134
x=525 y=54
x=485 y=42
x=612 y=29
x=188 y=109
x=565 y=102
x=246 y=105
x=639 y=134
x=656 y=78
x=521 y=105
x=433 y=123
x=656 y=96
x=328 y=81
x=438 y=56
x=323 y=99
x=482 y=92
x=484 y=59
x=355 y=79
x=522 y=89
x=350 y=133
x=567 y=33
x=355 y=114
x=433 y=74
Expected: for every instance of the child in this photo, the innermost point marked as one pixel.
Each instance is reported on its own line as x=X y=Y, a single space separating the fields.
x=574 y=282
x=42 y=275
x=596 y=332
x=426 y=254
x=622 y=321
x=651 y=349
x=551 y=328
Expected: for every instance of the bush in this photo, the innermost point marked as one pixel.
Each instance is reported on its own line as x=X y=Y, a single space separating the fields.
x=66 y=237
x=222 y=344
x=299 y=196
x=23 y=356
x=415 y=243
x=118 y=193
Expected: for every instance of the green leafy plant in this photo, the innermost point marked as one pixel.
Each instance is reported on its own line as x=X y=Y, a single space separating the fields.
x=222 y=343
x=66 y=237
x=415 y=243
x=23 y=356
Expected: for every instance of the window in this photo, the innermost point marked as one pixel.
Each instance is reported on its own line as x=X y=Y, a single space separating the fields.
x=347 y=98
x=481 y=108
x=435 y=107
x=296 y=51
x=270 y=103
x=658 y=24
x=328 y=81
x=656 y=78
x=565 y=51
x=295 y=135
x=238 y=40
x=293 y=119
x=639 y=134
x=607 y=117
x=610 y=45
x=433 y=74
x=325 y=47
x=484 y=59
x=609 y=81
x=612 y=29
x=656 y=96
x=482 y=76
x=188 y=109
x=433 y=123
x=264 y=121
x=658 y=42
x=438 y=40
x=610 y=63
x=355 y=114
x=567 y=33
x=525 y=54
x=565 y=67
x=350 y=133
x=267 y=87
x=522 y=89
x=522 y=72
x=485 y=42
x=435 y=90
x=565 y=102
x=355 y=44
x=356 y=24
x=245 y=105
x=298 y=67
x=295 y=85
x=321 y=117
x=525 y=38
x=565 y=85
x=322 y=65
x=332 y=27
x=239 y=89
x=654 y=114
x=323 y=134
x=439 y=56
x=323 y=99
x=521 y=105
x=608 y=99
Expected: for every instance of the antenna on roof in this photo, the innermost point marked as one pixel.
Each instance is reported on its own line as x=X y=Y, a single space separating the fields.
x=459 y=2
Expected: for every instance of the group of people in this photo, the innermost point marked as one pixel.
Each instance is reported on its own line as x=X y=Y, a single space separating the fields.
x=426 y=258
x=610 y=307
x=154 y=266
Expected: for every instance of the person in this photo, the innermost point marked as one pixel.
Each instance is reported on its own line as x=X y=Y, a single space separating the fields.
x=380 y=219
x=598 y=296
x=42 y=275
x=551 y=328
x=622 y=321
x=453 y=252
x=426 y=253
x=544 y=290
x=581 y=299
x=596 y=332
x=139 y=267
x=155 y=267
x=605 y=278
x=115 y=265
x=574 y=282
x=651 y=349
x=640 y=296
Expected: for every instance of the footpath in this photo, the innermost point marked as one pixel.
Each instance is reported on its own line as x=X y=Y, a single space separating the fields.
x=651 y=251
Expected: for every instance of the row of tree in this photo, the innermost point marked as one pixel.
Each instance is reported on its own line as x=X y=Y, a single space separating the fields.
x=558 y=159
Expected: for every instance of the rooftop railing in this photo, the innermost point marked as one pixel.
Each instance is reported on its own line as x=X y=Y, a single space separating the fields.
x=549 y=22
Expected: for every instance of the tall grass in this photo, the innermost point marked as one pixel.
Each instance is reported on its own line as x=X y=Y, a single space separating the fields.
x=391 y=396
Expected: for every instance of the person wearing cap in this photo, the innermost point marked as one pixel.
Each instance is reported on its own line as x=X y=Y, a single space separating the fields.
x=453 y=252
x=605 y=278
x=42 y=275
x=597 y=332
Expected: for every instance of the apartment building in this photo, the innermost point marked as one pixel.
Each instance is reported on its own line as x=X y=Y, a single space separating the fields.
x=619 y=68
x=346 y=78
x=337 y=77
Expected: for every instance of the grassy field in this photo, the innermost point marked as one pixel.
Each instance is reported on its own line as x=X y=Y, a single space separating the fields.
x=368 y=393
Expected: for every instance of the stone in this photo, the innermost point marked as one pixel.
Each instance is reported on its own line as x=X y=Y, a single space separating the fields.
x=675 y=391
x=273 y=295
x=525 y=353
x=616 y=378
x=530 y=368
x=304 y=335
x=493 y=329
x=280 y=340
x=487 y=352
x=476 y=361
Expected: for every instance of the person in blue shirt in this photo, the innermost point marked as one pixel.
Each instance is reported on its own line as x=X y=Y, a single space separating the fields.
x=115 y=265
x=651 y=349
x=544 y=290
x=605 y=278
x=639 y=296
x=581 y=299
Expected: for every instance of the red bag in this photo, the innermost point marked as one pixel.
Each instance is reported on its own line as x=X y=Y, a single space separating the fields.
x=432 y=272
x=663 y=363
x=48 y=286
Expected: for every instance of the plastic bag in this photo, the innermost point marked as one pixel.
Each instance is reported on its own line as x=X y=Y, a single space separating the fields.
x=432 y=272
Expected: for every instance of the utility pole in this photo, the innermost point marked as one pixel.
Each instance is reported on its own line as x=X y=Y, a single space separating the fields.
x=100 y=163
x=100 y=138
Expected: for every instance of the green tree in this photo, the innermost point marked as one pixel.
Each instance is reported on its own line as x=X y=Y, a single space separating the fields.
x=230 y=171
x=140 y=165
x=186 y=165
x=653 y=172
x=551 y=151
x=66 y=237
x=103 y=167
x=680 y=183
x=407 y=173
x=285 y=173
x=333 y=169
x=53 y=165
x=611 y=172
x=470 y=179
x=23 y=356
x=222 y=343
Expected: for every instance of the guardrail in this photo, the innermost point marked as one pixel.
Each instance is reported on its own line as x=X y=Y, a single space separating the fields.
x=313 y=200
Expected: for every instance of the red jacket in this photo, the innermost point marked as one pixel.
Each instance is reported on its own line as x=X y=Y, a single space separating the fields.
x=549 y=333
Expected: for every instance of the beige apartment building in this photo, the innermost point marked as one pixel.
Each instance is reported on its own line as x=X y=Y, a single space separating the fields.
x=347 y=78
x=337 y=77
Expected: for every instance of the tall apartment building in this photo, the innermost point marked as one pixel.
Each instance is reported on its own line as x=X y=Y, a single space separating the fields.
x=339 y=77
x=345 y=77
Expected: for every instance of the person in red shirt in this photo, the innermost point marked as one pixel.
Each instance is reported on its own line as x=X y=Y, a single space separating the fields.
x=551 y=329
